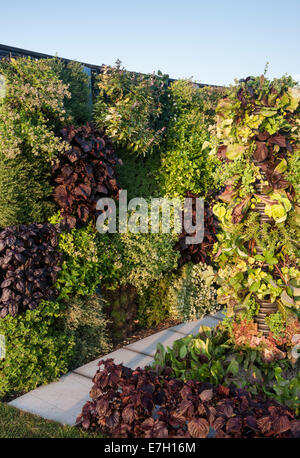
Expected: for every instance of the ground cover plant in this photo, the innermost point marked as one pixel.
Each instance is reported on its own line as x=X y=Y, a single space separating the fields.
x=140 y=403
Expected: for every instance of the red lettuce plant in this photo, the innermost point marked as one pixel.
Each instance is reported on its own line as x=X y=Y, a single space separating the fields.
x=198 y=252
x=140 y=403
x=29 y=263
x=84 y=174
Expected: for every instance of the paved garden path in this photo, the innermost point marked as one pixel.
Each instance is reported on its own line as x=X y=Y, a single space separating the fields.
x=62 y=401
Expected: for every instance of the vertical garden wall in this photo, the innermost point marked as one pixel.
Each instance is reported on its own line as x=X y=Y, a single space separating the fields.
x=257 y=142
x=68 y=292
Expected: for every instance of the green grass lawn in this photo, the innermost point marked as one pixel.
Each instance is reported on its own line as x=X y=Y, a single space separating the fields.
x=15 y=424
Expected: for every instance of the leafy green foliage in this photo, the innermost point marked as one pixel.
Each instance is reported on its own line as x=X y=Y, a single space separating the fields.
x=37 y=352
x=120 y=305
x=139 y=175
x=210 y=356
x=73 y=76
x=146 y=257
x=184 y=295
x=130 y=108
x=192 y=293
x=80 y=270
x=30 y=112
x=186 y=166
x=85 y=321
x=256 y=139
x=25 y=189
x=154 y=303
x=32 y=109
x=276 y=323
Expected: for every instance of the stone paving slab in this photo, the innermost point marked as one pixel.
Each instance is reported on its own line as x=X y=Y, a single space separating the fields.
x=60 y=401
x=148 y=345
x=192 y=327
x=128 y=357
x=220 y=315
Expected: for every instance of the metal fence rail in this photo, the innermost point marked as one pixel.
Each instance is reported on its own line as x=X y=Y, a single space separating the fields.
x=6 y=51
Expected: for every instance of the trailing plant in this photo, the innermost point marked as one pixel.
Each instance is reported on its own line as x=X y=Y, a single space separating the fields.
x=140 y=403
x=73 y=76
x=256 y=139
x=37 y=351
x=85 y=322
x=131 y=108
x=276 y=323
x=233 y=355
x=186 y=166
x=31 y=111
x=29 y=264
x=83 y=174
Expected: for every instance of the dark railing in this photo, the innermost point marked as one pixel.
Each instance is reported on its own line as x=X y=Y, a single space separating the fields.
x=6 y=51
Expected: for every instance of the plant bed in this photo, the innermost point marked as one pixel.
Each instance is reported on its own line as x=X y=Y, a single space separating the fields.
x=140 y=403
x=232 y=354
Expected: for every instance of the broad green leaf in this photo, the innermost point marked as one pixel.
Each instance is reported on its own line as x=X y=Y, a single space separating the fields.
x=255 y=286
x=183 y=352
x=233 y=367
x=286 y=299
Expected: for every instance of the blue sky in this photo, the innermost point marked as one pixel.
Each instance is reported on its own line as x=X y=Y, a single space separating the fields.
x=211 y=41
